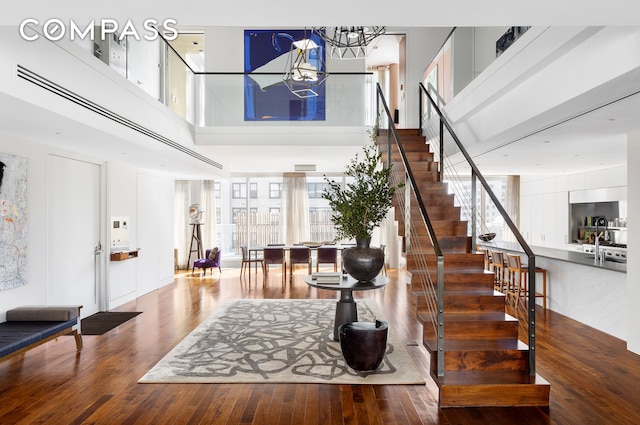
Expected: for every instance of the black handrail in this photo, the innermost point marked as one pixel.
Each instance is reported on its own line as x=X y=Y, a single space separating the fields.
x=527 y=250
x=427 y=222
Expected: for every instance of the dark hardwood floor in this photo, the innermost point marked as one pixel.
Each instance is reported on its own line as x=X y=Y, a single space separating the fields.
x=594 y=379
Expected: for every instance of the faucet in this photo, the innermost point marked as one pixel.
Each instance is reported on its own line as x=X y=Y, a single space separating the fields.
x=599 y=257
x=596 y=257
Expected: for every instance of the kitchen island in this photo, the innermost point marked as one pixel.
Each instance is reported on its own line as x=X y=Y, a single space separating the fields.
x=577 y=287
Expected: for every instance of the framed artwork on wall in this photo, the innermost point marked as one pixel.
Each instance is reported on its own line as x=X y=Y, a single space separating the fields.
x=266 y=96
x=13 y=221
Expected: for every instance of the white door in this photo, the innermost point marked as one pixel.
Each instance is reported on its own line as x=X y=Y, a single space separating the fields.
x=74 y=210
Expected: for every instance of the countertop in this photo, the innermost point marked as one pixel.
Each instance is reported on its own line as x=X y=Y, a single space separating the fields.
x=557 y=254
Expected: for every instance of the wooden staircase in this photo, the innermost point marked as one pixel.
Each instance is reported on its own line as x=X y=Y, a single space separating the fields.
x=484 y=361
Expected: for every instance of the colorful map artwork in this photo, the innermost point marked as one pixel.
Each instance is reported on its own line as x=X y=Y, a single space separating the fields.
x=13 y=221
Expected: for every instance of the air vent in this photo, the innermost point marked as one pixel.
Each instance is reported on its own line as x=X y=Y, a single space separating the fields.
x=305 y=167
x=46 y=84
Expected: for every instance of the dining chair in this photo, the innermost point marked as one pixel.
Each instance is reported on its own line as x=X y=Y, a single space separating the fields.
x=299 y=254
x=247 y=260
x=327 y=255
x=274 y=255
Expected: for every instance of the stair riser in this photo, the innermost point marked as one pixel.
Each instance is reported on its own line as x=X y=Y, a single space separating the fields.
x=414 y=157
x=442 y=228
x=421 y=176
x=453 y=283
x=449 y=244
x=436 y=199
x=498 y=360
x=494 y=395
x=481 y=330
x=465 y=261
x=437 y=212
x=470 y=304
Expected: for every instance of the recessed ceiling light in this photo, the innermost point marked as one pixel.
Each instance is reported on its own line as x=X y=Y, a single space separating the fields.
x=547 y=141
x=611 y=119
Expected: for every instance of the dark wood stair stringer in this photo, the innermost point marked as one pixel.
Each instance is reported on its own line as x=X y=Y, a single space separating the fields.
x=485 y=363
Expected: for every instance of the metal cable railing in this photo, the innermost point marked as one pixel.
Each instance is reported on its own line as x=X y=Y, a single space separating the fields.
x=526 y=316
x=432 y=288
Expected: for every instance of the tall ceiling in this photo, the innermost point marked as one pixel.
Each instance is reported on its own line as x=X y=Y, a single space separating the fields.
x=402 y=13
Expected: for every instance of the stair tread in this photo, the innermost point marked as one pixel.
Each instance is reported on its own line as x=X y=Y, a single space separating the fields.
x=481 y=345
x=456 y=271
x=479 y=316
x=474 y=292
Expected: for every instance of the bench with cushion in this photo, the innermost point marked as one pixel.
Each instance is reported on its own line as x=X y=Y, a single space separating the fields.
x=29 y=326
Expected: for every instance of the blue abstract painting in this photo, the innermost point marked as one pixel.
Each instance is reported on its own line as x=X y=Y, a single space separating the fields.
x=266 y=96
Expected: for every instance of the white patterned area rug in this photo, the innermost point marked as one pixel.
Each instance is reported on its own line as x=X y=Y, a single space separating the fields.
x=277 y=341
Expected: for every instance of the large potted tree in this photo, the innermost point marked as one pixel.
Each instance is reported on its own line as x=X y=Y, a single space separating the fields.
x=359 y=207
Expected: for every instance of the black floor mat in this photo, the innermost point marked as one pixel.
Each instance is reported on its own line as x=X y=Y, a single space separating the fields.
x=104 y=321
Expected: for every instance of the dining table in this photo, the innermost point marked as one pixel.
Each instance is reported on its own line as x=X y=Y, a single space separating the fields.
x=255 y=250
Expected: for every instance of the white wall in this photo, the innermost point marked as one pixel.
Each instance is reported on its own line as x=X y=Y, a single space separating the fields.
x=570 y=65
x=68 y=65
x=633 y=251
x=145 y=197
x=123 y=282
x=147 y=200
x=421 y=47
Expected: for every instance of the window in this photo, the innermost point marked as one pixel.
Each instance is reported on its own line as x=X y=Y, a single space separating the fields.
x=274 y=215
x=238 y=190
x=218 y=216
x=234 y=240
x=275 y=190
x=217 y=193
x=316 y=189
x=235 y=213
x=253 y=190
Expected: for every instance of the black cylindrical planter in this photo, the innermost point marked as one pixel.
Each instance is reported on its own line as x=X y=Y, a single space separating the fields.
x=361 y=261
x=364 y=344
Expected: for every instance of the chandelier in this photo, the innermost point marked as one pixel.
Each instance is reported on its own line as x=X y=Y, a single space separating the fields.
x=305 y=70
x=348 y=42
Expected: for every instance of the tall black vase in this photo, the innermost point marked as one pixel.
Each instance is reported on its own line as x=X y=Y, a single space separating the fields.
x=361 y=261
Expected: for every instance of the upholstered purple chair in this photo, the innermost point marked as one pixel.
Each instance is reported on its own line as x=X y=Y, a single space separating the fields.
x=210 y=261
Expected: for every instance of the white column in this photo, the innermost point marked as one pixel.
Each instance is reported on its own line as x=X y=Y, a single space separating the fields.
x=633 y=251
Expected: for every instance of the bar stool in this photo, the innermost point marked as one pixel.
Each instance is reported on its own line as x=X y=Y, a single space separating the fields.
x=497 y=263
x=487 y=257
x=518 y=277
